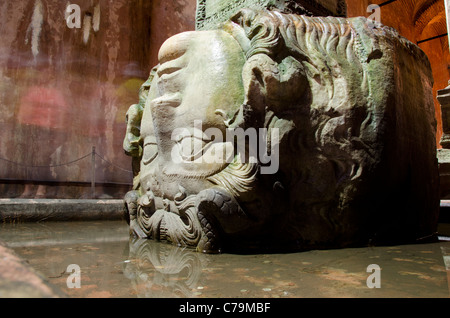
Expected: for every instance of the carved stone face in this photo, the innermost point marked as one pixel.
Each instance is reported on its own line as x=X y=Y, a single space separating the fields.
x=198 y=81
x=328 y=86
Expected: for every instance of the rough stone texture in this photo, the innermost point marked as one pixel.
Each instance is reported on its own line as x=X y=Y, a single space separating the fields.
x=35 y=210
x=348 y=108
x=417 y=20
x=444 y=173
x=19 y=280
x=210 y=13
x=444 y=153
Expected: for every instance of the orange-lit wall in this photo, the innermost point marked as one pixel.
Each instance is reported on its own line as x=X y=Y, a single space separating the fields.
x=64 y=90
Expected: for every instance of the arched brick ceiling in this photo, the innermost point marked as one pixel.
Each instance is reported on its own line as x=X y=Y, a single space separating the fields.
x=420 y=6
x=426 y=16
x=437 y=25
x=427 y=11
x=406 y=8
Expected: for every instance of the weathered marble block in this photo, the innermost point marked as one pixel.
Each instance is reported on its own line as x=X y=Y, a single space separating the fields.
x=210 y=13
x=285 y=132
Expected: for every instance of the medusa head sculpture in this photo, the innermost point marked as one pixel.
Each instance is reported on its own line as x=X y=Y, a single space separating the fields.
x=282 y=132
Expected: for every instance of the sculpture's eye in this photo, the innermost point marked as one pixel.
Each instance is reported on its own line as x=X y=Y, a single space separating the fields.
x=150 y=152
x=169 y=80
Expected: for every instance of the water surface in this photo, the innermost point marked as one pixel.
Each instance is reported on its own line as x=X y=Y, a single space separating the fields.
x=113 y=266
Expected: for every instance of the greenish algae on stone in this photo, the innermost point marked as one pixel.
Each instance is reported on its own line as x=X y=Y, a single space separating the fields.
x=343 y=109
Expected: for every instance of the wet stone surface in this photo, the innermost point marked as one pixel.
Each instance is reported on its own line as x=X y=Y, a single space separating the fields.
x=112 y=266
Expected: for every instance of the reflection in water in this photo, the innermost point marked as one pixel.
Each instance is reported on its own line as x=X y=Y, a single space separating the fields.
x=163 y=270
x=112 y=265
x=158 y=269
